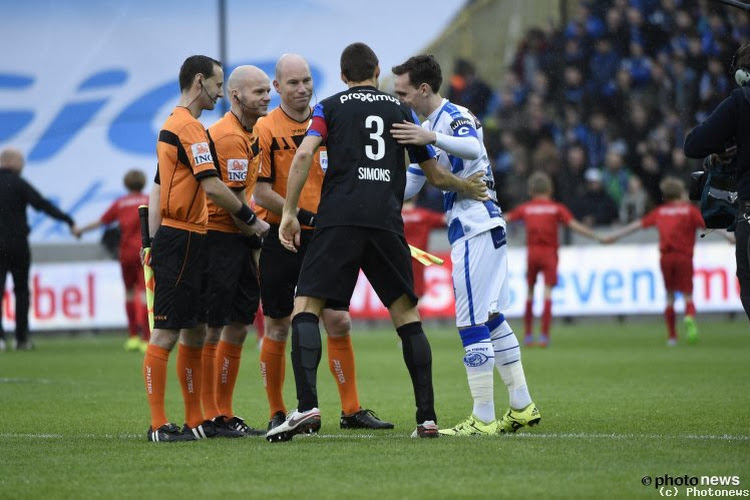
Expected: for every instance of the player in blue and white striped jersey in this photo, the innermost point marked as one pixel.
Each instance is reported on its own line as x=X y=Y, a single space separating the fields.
x=476 y=231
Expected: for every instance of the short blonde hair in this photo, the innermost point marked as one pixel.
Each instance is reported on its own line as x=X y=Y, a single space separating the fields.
x=672 y=188
x=539 y=183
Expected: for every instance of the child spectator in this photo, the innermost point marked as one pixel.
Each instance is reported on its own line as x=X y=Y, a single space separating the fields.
x=542 y=216
x=124 y=211
x=676 y=220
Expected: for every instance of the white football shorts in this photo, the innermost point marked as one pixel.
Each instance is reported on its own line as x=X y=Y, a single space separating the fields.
x=480 y=277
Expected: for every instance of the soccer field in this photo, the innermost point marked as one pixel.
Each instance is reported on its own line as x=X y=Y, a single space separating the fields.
x=617 y=404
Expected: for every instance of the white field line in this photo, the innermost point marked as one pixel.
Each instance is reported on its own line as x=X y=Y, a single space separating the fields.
x=552 y=435
x=25 y=381
x=6 y=380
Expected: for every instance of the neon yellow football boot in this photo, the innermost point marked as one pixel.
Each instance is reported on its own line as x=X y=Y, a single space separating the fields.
x=472 y=426
x=515 y=419
x=691 y=330
x=133 y=344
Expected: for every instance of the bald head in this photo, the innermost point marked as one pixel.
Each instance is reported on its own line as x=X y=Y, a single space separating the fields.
x=12 y=159
x=249 y=92
x=290 y=63
x=294 y=84
x=244 y=76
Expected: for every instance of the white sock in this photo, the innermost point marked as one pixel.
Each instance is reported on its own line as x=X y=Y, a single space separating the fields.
x=508 y=362
x=478 y=360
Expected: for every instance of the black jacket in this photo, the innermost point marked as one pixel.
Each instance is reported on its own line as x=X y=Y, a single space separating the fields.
x=15 y=195
x=729 y=123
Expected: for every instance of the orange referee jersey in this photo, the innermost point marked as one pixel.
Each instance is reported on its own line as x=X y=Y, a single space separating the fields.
x=236 y=153
x=278 y=136
x=184 y=159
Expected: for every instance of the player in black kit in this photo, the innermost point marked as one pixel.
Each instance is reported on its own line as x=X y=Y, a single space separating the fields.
x=359 y=226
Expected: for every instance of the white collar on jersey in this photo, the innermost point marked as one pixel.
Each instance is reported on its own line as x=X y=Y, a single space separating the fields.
x=436 y=114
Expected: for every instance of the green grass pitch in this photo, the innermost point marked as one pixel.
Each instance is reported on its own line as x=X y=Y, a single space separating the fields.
x=617 y=404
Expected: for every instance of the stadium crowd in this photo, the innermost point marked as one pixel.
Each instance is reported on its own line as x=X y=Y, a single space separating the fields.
x=602 y=103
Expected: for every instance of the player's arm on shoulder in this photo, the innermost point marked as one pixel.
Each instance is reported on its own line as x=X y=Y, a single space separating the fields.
x=463 y=140
x=409 y=133
x=470 y=187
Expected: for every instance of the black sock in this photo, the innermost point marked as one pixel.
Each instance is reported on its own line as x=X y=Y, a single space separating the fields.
x=418 y=359
x=306 y=353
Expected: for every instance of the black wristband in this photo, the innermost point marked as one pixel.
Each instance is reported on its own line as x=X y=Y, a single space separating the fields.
x=246 y=215
x=306 y=217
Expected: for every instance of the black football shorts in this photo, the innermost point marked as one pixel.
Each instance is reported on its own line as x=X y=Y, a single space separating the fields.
x=279 y=272
x=178 y=259
x=231 y=280
x=336 y=254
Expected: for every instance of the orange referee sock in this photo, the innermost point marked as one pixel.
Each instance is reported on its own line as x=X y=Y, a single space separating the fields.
x=155 y=376
x=208 y=386
x=228 y=364
x=272 y=367
x=189 y=372
x=341 y=364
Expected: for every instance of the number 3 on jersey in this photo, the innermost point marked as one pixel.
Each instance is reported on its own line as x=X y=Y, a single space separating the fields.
x=378 y=152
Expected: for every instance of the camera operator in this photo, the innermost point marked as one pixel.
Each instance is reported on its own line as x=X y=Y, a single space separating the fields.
x=730 y=121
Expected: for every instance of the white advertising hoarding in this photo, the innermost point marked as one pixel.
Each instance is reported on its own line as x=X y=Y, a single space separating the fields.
x=594 y=280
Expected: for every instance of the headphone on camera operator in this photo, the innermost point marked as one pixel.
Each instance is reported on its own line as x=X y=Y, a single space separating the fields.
x=741 y=75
